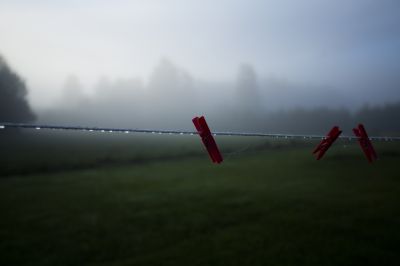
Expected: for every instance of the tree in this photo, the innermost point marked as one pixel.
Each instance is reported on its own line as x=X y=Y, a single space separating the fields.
x=247 y=89
x=13 y=104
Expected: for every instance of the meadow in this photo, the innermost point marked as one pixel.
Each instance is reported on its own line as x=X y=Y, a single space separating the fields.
x=116 y=199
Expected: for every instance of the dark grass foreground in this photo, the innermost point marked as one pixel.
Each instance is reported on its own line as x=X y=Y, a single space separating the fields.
x=272 y=206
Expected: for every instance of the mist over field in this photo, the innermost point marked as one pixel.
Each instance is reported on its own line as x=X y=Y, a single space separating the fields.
x=247 y=65
x=172 y=96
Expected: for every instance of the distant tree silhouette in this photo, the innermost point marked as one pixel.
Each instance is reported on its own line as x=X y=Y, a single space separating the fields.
x=383 y=119
x=13 y=104
x=247 y=89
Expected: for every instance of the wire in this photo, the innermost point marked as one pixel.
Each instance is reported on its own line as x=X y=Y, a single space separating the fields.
x=179 y=132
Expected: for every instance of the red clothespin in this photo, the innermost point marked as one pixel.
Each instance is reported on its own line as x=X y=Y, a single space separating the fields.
x=327 y=142
x=207 y=138
x=365 y=143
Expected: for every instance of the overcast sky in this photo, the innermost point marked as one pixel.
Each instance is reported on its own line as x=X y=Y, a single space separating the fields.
x=350 y=45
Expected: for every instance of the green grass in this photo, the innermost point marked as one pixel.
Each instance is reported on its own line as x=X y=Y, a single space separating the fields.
x=271 y=204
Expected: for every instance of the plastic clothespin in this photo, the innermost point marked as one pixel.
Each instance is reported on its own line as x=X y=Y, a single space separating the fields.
x=207 y=138
x=365 y=143
x=327 y=142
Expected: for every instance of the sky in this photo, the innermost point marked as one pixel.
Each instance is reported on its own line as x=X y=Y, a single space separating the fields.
x=350 y=46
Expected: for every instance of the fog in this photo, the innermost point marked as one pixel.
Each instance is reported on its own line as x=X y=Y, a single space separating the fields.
x=246 y=65
x=171 y=97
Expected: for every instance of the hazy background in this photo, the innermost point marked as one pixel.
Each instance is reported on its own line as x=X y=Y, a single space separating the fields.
x=277 y=66
x=302 y=66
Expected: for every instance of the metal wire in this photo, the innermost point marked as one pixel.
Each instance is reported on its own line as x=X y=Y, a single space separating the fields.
x=179 y=132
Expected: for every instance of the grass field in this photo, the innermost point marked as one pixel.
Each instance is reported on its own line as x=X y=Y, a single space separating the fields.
x=80 y=199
